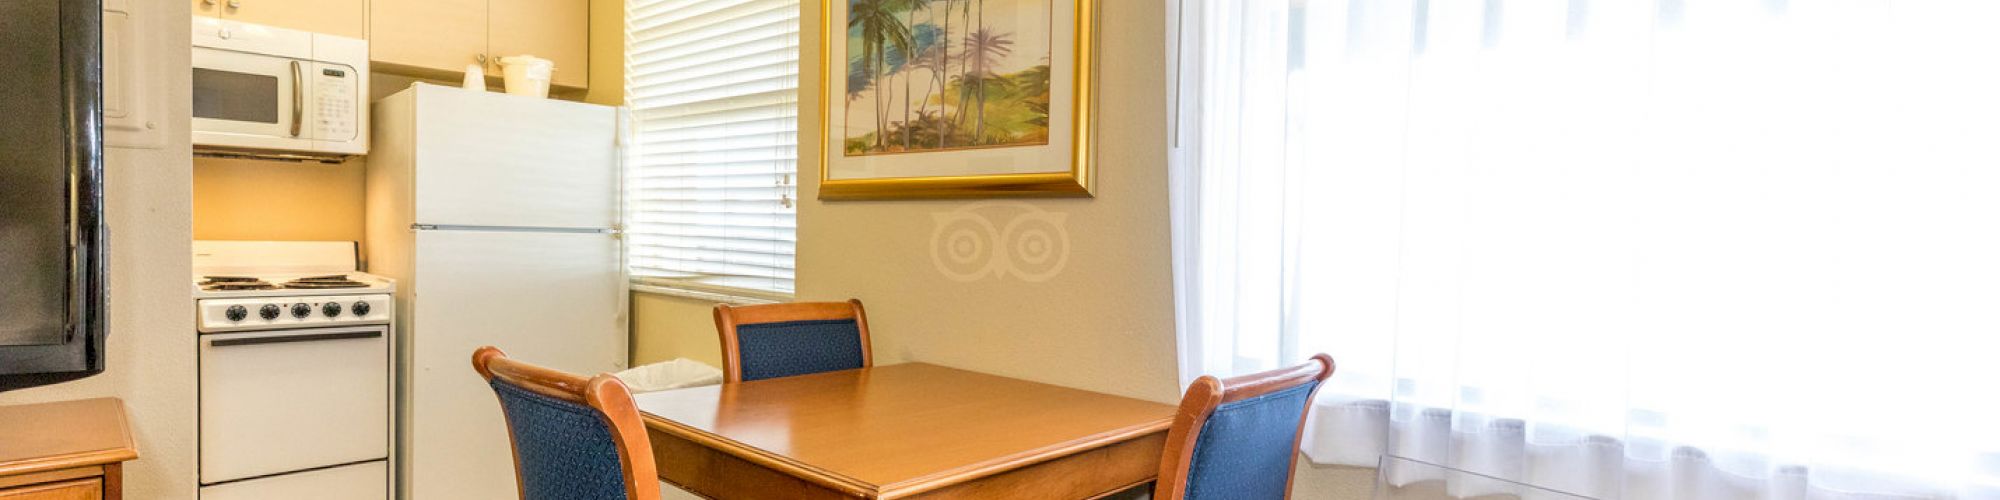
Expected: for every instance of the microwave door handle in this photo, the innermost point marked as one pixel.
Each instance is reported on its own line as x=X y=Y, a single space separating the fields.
x=298 y=98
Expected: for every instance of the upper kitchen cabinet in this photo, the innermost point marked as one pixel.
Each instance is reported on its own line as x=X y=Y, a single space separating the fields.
x=348 y=18
x=438 y=38
x=427 y=35
x=557 y=30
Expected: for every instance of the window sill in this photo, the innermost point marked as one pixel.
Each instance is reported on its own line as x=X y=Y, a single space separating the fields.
x=721 y=295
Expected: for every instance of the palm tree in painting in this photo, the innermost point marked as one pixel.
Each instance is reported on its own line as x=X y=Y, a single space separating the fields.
x=939 y=64
x=930 y=60
x=894 y=63
x=858 y=81
x=983 y=51
x=922 y=37
x=880 y=31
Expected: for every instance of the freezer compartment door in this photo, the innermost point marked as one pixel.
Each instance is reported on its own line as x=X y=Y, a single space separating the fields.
x=491 y=159
x=552 y=299
x=362 y=481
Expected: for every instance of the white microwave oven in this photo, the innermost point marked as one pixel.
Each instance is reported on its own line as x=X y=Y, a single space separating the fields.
x=262 y=90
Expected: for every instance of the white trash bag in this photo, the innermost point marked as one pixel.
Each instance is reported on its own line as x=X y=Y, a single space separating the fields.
x=681 y=372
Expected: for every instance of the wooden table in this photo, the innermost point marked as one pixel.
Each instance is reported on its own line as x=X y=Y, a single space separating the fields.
x=69 y=450
x=902 y=431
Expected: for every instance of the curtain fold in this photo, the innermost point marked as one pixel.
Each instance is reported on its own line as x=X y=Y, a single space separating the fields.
x=1672 y=249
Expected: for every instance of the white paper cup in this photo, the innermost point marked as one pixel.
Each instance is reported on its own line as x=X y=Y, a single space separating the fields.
x=527 y=75
x=475 y=78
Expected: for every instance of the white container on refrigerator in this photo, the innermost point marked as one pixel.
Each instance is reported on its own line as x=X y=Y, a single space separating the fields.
x=497 y=216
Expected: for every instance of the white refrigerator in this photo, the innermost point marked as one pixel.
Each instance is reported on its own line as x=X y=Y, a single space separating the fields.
x=497 y=215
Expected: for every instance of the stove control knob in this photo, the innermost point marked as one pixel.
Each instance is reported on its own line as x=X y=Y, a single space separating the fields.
x=301 y=310
x=269 y=311
x=330 y=309
x=236 y=313
x=361 y=308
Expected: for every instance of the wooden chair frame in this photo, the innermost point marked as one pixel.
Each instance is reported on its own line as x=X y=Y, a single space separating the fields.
x=1206 y=394
x=603 y=392
x=728 y=317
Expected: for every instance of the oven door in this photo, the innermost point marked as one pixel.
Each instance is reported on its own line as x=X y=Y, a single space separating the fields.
x=288 y=400
x=251 y=101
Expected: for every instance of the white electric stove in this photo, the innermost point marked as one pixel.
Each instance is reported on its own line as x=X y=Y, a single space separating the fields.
x=368 y=302
x=296 y=371
x=262 y=285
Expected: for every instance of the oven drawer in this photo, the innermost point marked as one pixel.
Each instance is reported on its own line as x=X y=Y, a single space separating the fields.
x=363 y=481
x=283 y=401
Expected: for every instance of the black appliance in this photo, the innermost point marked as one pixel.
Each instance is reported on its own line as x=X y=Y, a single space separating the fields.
x=52 y=234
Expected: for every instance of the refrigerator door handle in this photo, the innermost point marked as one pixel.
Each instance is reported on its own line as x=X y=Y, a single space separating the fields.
x=513 y=229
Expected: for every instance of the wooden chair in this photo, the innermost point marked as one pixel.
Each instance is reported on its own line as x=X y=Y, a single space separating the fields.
x=1239 y=438
x=782 y=340
x=574 y=438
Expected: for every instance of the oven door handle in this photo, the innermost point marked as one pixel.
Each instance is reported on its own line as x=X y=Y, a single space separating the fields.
x=298 y=97
x=286 y=339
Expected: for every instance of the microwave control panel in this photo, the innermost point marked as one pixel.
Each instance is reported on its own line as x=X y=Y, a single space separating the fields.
x=337 y=97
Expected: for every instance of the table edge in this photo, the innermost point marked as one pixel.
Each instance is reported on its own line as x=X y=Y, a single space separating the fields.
x=996 y=466
x=760 y=457
x=912 y=486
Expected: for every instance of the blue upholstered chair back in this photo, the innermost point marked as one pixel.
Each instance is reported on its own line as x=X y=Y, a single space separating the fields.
x=1244 y=451
x=1238 y=438
x=787 y=348
x=564 y=450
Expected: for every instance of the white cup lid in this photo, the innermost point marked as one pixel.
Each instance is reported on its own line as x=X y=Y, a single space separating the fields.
x=526 y=59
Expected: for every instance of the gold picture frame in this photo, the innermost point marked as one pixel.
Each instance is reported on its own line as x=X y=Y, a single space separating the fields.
x=1077 y=181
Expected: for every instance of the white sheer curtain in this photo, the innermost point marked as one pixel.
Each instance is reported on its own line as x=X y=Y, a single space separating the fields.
x=1665 y=249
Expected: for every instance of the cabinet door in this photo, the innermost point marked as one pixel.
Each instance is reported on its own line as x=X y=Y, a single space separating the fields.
x=435 y=35
x=557 y=30
x=346 y=18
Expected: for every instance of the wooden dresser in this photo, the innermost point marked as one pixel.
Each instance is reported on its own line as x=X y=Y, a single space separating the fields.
x=70 y=450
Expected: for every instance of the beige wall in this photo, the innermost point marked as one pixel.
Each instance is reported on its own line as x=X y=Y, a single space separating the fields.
x=665 y=327
x=236 y=199
x=151 y=347
x=607 y=53
x=1104 y=322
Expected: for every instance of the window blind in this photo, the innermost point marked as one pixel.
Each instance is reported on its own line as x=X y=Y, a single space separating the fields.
x=713 y=91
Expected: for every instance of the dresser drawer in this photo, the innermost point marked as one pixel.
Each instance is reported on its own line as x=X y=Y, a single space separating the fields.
x=82 y=489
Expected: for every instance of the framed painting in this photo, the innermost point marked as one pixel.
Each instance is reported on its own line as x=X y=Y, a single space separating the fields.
x=955 y=98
